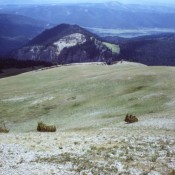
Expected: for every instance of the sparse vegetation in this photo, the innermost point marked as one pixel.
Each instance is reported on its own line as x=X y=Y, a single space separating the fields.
x=172 y=172
x=131 y=118
x=3 y=129
x=45 y=128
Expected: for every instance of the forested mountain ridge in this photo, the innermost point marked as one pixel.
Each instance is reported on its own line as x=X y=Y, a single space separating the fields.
x=65 y=44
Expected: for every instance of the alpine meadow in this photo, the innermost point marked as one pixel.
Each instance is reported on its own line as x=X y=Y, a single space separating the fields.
x=87 y=88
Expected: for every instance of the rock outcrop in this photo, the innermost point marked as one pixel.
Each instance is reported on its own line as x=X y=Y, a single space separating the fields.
x=65 y=44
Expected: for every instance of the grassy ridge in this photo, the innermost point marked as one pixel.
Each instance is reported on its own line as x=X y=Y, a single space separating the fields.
x=85 y=96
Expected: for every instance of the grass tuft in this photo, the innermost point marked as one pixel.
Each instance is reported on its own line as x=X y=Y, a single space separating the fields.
x=4 y=129
x=131 y=118
x=45 y=128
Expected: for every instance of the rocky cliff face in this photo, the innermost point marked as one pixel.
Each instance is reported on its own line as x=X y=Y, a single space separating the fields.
x=65 y=44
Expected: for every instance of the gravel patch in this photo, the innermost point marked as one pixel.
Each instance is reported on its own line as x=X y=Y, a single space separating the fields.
x=102 y=152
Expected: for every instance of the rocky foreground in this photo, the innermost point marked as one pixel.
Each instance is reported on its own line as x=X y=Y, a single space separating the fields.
x=126 y=149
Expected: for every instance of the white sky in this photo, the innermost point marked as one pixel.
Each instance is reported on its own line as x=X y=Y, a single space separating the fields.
x=82 y=1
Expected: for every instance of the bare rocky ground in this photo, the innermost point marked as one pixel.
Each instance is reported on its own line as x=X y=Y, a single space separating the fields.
x=122 y=149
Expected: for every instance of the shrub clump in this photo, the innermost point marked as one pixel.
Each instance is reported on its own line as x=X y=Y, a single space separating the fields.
x=45 y=128
x=4 y=129
x=131 y=118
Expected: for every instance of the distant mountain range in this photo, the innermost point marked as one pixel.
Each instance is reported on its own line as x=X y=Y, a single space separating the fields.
x=25 y=38
x=17 y=30
x=101 y=15
x=67 y=44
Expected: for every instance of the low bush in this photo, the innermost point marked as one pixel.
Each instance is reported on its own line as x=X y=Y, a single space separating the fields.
x=45 y=128
x=4 y=129
x=131 y=118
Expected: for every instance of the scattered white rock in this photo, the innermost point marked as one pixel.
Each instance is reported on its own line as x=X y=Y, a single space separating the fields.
x=119 y=166
x=16 y=99
x=69 y=41
x=154 y=173
x=38 y=101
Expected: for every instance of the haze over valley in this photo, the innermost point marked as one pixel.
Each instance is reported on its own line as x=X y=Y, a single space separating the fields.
x=106 y=19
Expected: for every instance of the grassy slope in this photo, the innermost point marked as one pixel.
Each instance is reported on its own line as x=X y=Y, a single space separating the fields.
x=115 y=48
x=86 y=96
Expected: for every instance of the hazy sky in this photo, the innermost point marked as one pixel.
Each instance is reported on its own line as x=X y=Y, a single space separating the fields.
x=126 y=1
x=82 y=1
